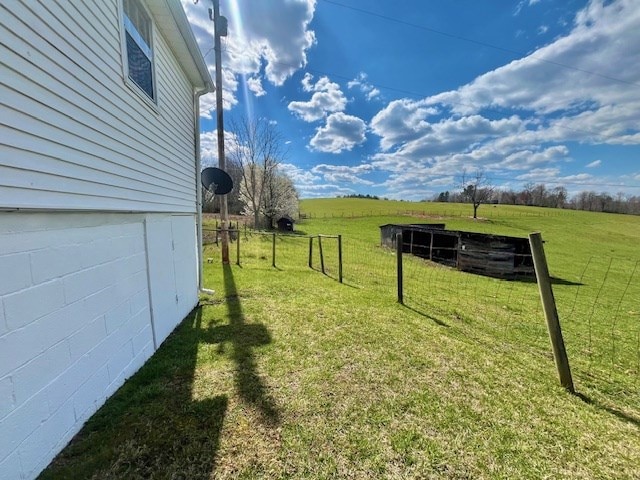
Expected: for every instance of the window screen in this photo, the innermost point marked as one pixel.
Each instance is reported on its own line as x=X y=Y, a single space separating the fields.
x=137 y=26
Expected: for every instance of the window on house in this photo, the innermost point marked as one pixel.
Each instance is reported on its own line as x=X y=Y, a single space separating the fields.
x=139 y=51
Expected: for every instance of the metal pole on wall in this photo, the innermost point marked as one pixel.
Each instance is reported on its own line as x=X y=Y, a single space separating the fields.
x=220 y=30
x=550 y=311
x=399 y=272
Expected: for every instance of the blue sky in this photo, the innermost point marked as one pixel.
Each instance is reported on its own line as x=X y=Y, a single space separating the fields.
x=397 y=99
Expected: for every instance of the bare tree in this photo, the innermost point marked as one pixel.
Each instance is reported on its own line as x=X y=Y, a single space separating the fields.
x=559 y=197
x=476 y=189
x=258 y=149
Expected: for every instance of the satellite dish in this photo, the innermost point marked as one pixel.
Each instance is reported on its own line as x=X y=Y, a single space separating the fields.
x=217 y=181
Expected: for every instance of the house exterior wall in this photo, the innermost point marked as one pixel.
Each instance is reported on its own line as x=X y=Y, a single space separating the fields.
x=73 y=133
x=98 y=212
x=78 y=313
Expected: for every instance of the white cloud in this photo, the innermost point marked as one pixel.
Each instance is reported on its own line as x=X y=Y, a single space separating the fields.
x=524 y=3
x=370 y=92
x=255 y=85
x=327 y=98
x=307 y=82
x=324 y=190
x=259 y=44
x=542 y=29
x=583 y=179
x=401 y=121
x=344 y=173
x=594 y=164
x=207 y=105
x=541 y=175
x=301 y=178
x=475 y=125
x=341 y=133
x=523 y=159
x=209 y=146
x=451 y=135
x=541 y=84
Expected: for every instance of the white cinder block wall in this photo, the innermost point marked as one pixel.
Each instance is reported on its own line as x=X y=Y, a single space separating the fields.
x=78 y=308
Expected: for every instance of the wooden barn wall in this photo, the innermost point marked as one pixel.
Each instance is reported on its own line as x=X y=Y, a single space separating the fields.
x=485 y=254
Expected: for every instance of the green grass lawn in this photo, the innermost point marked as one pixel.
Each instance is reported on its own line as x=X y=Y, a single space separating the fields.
x=286 y=373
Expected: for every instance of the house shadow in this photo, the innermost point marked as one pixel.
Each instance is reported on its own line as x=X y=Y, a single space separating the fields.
x=242 y=337
x=162 y=423
x=152 y=426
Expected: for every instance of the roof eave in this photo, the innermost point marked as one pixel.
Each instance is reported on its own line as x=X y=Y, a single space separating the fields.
x=174 y=25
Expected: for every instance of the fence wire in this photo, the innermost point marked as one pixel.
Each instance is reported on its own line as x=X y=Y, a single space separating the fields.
x=598 y=307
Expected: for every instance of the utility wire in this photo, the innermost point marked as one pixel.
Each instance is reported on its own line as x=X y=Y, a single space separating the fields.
x=419 y=95
x=475 y=107
x=476 y=42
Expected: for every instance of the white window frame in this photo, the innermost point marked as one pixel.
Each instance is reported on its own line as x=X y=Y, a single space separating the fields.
x=126 y=26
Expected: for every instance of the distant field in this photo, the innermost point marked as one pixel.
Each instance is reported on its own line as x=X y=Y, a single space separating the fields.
x=286 y=373
x=350 y=207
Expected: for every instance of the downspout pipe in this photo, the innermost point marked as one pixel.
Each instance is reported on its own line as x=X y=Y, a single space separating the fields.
x=196 y=109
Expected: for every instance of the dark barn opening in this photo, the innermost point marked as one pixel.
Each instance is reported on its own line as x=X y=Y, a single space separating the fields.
x=285 y=224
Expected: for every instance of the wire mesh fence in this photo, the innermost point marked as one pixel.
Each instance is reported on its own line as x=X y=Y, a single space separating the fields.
x=599 y=314
x=599 y=309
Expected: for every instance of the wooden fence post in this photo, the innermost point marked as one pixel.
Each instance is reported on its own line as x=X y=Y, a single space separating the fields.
x=431 y=246
x=340 y=258
x=310 y=252
x=399 y=262
x=238 y=247
x=273 y=252
x=550 y=311
x=321 y=254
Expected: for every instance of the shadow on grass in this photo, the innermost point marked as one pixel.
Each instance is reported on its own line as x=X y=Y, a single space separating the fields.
x=554 y=280
x=152 y=427
x=159 y=424
x=426 y=315
x=613 y=411
x=562 y=281
x=243 y=337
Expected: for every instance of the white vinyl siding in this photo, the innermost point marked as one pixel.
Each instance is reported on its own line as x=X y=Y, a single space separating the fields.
x=72 y=134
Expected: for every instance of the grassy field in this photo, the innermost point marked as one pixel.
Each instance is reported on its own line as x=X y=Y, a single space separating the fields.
x=286 y=373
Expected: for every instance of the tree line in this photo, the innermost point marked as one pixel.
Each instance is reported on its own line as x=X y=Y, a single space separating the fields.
x=540 y=195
